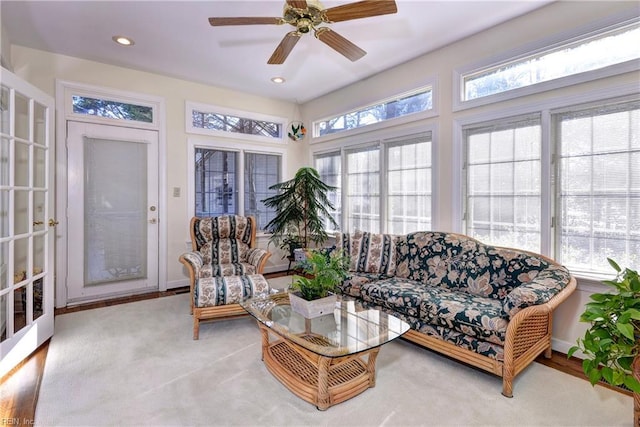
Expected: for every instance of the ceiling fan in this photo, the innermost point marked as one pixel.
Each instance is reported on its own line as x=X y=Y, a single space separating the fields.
x=307 y=16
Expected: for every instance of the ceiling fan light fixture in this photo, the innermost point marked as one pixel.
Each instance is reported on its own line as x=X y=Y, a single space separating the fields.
x=123 y=41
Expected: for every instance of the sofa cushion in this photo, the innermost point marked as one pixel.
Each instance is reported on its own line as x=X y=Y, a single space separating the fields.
x=401 y=295
x=369 y=252
x=222 y=227
x=461 y=263
x=228 y=269
x=475 y=316
x=214 y=291
x=352 y=285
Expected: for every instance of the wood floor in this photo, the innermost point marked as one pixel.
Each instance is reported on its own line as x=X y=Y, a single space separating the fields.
x=20 y=387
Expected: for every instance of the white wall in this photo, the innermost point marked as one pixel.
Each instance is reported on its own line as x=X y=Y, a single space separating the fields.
x=556 y=18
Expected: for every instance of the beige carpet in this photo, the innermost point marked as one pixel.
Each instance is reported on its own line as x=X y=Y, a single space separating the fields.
x=136 y=364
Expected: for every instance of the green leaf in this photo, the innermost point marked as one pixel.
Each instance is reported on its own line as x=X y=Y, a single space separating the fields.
x=625 y=329
x=613 y=264
x=594 y=376
x=632 y=383
x=571 y=351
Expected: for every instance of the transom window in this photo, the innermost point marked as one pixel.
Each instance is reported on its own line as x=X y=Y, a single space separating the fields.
x=415 y=102
x=111 y=109
x=227 y=123
x=608 y=47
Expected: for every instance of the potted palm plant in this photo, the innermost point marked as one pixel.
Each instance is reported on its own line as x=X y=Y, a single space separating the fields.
x=301 y=204
x=612 y=343
x=313 y=294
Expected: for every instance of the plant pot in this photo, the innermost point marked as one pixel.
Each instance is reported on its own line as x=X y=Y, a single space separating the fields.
x=312 y=309
x=636 y=396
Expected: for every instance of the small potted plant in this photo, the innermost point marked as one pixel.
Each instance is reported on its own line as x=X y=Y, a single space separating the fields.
x=313 y=294
x=612 y=342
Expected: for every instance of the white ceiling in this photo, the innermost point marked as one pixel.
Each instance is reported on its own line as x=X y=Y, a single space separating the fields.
x=174 y=38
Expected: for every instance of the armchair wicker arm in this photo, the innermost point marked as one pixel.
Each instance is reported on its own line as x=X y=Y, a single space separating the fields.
x=194 y=263
x=258 y=258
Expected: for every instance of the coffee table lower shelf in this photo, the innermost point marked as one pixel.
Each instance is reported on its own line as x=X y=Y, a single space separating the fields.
x=320 y=380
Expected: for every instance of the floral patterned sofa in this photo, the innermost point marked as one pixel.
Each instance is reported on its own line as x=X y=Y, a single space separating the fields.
x=487 y=306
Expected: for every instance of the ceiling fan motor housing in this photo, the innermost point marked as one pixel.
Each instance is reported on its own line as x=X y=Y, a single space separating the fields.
x=303 y=19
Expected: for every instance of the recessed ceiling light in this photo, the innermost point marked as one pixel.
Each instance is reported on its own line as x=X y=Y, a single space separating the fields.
x=277 y=80
x=122 y=40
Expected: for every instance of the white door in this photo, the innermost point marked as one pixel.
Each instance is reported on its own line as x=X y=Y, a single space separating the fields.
x=112 y=211
x=27 y=220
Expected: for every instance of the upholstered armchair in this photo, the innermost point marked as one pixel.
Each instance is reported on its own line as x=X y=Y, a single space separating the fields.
x=224 y=266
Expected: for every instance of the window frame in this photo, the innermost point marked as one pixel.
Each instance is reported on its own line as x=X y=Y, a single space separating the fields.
x=382 y=126
x=241 y=148
x=537 y=48
x=546 y=108
x=191 y=106
x=380 y=139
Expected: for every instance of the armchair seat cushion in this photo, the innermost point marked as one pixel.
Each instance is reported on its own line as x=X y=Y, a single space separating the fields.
x=215 y=291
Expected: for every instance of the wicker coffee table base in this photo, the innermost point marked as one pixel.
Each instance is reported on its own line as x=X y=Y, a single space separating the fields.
x=321 y=381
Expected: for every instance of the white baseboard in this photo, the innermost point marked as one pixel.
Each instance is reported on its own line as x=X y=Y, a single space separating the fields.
x=564 y=346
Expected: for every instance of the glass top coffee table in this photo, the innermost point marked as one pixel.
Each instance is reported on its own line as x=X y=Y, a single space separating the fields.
x=328 y=359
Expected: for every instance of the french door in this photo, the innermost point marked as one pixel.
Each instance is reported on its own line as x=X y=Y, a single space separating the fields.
x=27 y=219
x=112 y=211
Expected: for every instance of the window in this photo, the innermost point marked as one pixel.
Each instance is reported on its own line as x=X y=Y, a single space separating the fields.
x=579 y=203
x=363 y=195
x=227 y=123
x=215 y=182
x=586 y=54
x=503 y=183
x=218 y=121
x=111 y=109
x=222 y=176
x=329 y=166
x=599 y=186
x=261 y=172
x=409 y=184
x=403 y=105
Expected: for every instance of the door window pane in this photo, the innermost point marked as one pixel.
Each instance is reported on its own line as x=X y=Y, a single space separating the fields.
x=115 y=214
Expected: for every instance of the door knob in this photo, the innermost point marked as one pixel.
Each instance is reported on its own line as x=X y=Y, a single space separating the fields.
x=52 y=222
x=153 y=221
x=38 y=222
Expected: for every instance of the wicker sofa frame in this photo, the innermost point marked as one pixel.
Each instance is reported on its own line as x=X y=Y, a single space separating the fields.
x=528 y=332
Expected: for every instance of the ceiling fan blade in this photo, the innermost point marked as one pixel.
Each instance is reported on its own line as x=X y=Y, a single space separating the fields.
x=339 y=43
x=284 y=48
x=298 y=4
x=217 y=22
x=361 y=9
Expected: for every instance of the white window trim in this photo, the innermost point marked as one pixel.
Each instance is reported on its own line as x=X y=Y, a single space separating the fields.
x=241 y=148
x=216 y=109
x=70 y=89
x=534 y=48
x=546 y=109
x=431 y=83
